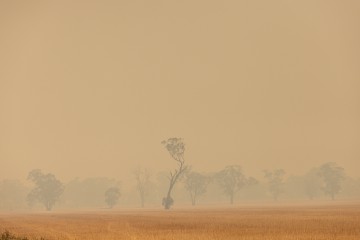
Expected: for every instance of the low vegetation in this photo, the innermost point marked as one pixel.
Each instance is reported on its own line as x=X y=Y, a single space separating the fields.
x=9 y=236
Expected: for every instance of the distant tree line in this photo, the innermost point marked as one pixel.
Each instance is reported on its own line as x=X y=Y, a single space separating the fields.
x=328 y=180
x=181 y=184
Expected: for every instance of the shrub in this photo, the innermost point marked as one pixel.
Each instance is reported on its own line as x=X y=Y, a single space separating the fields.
x=9 y=236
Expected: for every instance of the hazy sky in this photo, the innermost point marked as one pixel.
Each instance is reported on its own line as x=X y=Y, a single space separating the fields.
x=91 y=88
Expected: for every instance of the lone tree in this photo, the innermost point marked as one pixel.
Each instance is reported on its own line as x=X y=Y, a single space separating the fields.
x=176 y=148
x=112 y=196
x=332 y=176
x=276 y=181
x=142 y=177
x=195 y=184
x=47 y=189
x=231 y=180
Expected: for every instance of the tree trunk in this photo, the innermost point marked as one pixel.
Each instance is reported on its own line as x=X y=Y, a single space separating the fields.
x=168 y=199
x=168 y=202
x=174 y=177
x=231 y=199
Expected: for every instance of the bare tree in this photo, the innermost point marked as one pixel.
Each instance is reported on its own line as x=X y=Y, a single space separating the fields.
x=332 y=175
x=176 y=148
x=276 y=181
x=142 y=177
x=195 y=184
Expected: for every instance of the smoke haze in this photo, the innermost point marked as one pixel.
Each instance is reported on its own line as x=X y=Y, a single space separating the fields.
x=91 y=88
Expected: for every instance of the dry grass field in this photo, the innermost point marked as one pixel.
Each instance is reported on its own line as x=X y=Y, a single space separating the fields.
x=241 y=222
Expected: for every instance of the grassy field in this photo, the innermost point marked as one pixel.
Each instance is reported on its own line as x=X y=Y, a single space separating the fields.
x=241 y=222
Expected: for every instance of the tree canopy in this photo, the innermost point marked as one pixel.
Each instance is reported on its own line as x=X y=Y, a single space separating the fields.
x=47 y=189
x=332 y=176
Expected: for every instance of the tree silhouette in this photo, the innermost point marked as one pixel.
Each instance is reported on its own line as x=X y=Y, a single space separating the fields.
x=276 y=181
x=112 y=196
x=195 y=184
x=231 y=180
x=176 y=148
x=332 y=176
x=47 y=189
x=142 y=177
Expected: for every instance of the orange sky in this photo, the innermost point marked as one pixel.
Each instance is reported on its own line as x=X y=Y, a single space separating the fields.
x=91 y=88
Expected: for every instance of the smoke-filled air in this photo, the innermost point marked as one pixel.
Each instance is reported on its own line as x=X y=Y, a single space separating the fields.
x=166 y=119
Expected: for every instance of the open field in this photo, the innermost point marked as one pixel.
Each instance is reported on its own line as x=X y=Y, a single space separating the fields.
x=241 y=222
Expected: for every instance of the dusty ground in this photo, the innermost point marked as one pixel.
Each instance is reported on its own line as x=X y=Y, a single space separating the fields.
x=240 y=222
